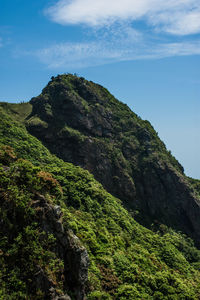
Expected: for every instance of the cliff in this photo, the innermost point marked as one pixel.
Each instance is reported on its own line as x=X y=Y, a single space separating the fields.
x=82 y=123
x=63 y=236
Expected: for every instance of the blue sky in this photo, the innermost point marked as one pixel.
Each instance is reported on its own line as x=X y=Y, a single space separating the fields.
x=147 y=53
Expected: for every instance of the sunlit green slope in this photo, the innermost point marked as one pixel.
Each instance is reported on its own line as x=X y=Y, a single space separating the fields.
x=127 y=261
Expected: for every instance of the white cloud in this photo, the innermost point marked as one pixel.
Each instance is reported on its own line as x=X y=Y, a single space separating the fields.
x=78 y=55
x=179 y=17
x=114 y=33
x=113 y=44
x=179 y=23
x=176 y=49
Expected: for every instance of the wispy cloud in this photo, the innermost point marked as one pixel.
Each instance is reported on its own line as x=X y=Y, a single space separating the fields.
x=104 y=45
x=123 y=30
x=179 y=23
x=1 y=42
x=180 y=17
x=74 y=55
x=77 y=55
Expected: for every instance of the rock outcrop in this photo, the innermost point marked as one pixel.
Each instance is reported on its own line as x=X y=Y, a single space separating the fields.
x=82 y=123
x=51 y=211
x=68 y=248
x=38 y=219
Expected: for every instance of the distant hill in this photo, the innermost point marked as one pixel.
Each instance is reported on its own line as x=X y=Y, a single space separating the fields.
x=63 y=236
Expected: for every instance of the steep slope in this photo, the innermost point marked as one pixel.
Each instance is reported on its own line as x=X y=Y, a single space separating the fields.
x=48 y=218
x=82 y=123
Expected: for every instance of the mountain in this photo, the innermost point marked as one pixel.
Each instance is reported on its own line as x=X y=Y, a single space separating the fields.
x=63 y=236
x=82 y=123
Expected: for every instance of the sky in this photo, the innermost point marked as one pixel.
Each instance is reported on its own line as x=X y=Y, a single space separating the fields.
x=147 y=53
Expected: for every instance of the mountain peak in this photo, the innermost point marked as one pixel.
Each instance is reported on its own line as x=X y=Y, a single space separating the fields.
x=82 y=123
x=56 y=218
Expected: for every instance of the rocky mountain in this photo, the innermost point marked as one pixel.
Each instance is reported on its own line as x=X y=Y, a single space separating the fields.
x=63 y=236
x=82 y=123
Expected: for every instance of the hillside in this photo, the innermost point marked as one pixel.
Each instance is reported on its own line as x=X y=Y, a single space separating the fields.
x=63 y=235
x=81 y=122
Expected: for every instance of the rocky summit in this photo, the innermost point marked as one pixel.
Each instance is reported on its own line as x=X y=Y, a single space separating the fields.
x=92 y=204
x=82 y=123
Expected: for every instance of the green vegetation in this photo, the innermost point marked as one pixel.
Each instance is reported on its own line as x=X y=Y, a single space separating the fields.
x=195 y=184
x=127 y=261
x=127 y=127
x=82 y=123
x=25 y=249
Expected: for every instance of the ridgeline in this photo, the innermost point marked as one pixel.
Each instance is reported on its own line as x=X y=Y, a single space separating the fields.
x=92 y=204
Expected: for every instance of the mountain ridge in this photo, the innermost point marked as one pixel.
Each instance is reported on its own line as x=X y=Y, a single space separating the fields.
x=64 y=236
x=99 y=133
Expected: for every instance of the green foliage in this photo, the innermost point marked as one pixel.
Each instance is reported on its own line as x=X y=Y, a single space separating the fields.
x=128 y=129
x=195 y=184
x=127 y=261
x=24 y=248
x=35 y=121
x=97 y=295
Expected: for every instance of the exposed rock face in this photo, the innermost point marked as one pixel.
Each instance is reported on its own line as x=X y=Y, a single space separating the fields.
x=66 y=247
x=69 y=249
x=82 y=123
